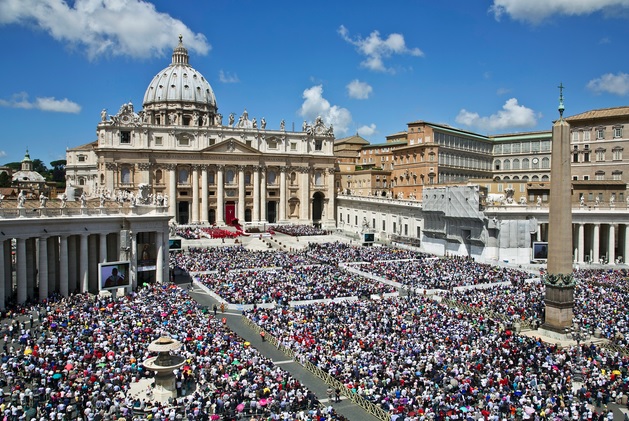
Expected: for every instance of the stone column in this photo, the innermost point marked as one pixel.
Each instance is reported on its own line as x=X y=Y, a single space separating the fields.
x=83 y=263
x=625 y=257
x=220 y=195
x=43 y=268
x=144 y=168
x=92 y=266
x=241 y=194
x=581 y=244
x=263 y=194
x=595 y=241
x=304 y=190
x=330 y=217
x=611 y=245
x=172 y=190
x=195 y=193
x=21 y=270
x=159 y=259
x=110 y=176
x=256 y=194
x=204 y=195
x=102 y=247
x=7 y=269
x=282 y=194
x=63 y=265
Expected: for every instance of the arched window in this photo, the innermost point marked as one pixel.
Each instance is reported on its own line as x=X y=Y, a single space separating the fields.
x=525 y=164
x=516 y=164
x=497 y=164
x=125 y=175
x=248 y=178
x=229 y=177
x=535 y=178
x=319 y=179
x=545 y=178
x=81 y=181
x=271 y=177
x=506 y=165
x=293 y=178
x=211 y=178
x=183 y=176
x=545 y=162
x=158 y=177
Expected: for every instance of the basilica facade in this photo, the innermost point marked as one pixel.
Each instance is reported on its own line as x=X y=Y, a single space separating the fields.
x=180 y=152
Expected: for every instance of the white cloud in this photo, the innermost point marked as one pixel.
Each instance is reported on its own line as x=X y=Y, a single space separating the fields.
x=614 y=84
x=359 y=90
x=511 y=116
x=367 y=131
x=377 y=49
x=502 y=91
x=3 y=154
x=226 y=77
x=112 y=27
x=535 y=11
x=21 y=100
x=315 y=105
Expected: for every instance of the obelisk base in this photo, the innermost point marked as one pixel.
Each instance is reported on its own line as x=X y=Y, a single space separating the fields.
x=559 y=304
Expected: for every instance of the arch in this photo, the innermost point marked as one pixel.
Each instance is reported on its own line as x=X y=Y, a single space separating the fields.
x=545 y=178
x=293 y=178
x=230 y=176
x=506 y=165
x=125 y=175
x=183 y=176
x=516 y=164
x=271 y=177
x=158 y=177
x=318 y=206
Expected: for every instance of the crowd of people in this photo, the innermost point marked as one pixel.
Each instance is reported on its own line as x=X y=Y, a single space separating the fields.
x=191 y=232
x=417 y=357
x=338 y=252
x=298 y=230
x=79 y=356
x=299 y=283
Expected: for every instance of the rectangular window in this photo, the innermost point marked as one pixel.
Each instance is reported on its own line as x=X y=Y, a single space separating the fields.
x=159 y=141
x=600 y=134
x=394 y=227
x=590 y=197
x=535 y=146
x=586 y=177
x=81 y=158
x=617 y=154
x=586 y=157
x=617 y=176
x=125 y=137
x=384 y=225
x=406 y=230
x=600 y=176
x=356 y=220
x=617 y=132
x=575 y=157
x=526 y=147
x=575 y=136
x=184 y=141
x=621 y=197
x=600 y=155
x=293 y=146
x=586 y=136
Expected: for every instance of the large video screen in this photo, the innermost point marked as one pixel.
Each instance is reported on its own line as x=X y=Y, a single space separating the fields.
x=368 y=237
x=540 y=251
x=174 y=244
x=112 y=275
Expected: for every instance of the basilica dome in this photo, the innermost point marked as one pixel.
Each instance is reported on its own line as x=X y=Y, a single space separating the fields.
x=180 y=83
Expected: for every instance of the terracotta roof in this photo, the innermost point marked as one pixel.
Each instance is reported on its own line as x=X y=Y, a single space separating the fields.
x=356 y=139
x=601 y=113
x=86 y=147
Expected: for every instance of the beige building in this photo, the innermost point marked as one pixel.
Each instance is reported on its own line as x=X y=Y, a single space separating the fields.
x=179 y=151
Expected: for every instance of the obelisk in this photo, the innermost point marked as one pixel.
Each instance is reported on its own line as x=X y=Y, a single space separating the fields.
x=559 y=280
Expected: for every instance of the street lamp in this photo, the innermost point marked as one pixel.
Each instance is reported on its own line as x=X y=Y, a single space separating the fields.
x=579 y=334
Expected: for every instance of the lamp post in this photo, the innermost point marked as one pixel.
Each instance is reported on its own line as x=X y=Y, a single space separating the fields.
x=579 y=334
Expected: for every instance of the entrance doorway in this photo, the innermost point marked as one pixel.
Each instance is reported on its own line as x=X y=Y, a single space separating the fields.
x=182 y=215
x=317 y=206
x=230 y=212
x=271 y=212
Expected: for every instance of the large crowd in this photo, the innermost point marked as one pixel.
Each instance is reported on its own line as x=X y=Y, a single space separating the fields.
x=414 y=356
x=80 y=355
x=298 y=230
x=301 y=283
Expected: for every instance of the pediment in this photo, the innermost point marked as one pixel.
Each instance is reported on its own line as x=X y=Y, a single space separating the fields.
x=232 y=146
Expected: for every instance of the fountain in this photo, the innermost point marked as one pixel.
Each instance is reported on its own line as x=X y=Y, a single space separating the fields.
x=163 y=365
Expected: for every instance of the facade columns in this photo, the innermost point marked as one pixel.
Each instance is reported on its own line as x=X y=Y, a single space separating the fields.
x=304 y=200
x=204 y=195
x=282 y=194
x=110 y=171
x=625 y=256
x=595 y=241
x=220 y=195
x=31 y=266
x=63 y=265
x=263 y=194
x=21 y=270
x=330 y=211
x=241 y=194
x=581 y=243
x=102 y=247
x=195 y=193
x=7 y=269
x=73 y=278
x=172 y=191
x=53 y=259
x=159 y=259
x=611 y=245
x=43 y=268
x=256 y=194
x=83 y=273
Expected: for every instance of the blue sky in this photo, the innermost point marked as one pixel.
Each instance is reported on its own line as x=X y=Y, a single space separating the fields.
x=367 y=67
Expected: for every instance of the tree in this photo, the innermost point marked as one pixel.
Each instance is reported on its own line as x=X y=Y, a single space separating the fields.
x=40 y=167
x=15 y=166
x=58 y=171
x=5 y=179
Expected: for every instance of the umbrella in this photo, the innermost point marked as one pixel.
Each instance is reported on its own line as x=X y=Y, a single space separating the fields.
x=215 y=417
x=56 y=376
x=240 y=407
x=69 y=366
x=263 y=402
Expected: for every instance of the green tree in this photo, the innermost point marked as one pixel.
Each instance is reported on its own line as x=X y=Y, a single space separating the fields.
x=15 y=166
x=58 y=171
x=5 y=180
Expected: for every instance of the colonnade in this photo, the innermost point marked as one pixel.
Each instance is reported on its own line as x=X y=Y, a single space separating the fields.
x=595 y=242
x=38 y=260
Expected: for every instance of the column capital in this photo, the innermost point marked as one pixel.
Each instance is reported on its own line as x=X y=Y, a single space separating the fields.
x=283 y=169
x=220 y=167
x=111 y=165
x=241 y=167
x=170 y=167
x=144 y=166
x=331 y=170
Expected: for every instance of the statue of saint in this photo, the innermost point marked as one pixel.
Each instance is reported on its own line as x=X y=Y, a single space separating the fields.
x=64 y=200
x=283 y=127
x=42 y=200
x=263 y=123
x=21 y=199
x=231 y=119
x=103 y=115
x=83 y=200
